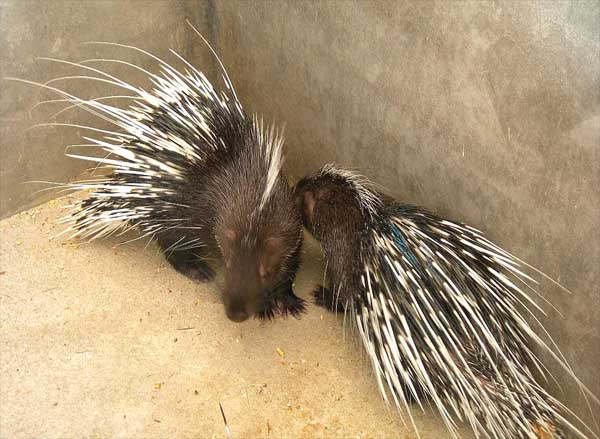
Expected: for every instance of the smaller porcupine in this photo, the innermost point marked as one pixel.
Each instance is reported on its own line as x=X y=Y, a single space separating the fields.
x=438 y=307
x=191 y=170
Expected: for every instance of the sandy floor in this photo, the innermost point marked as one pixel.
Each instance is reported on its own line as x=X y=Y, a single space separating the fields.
x=105 y=341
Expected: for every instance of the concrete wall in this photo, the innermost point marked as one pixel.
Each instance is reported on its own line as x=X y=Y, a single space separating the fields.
x=485 y=112
x=56 y=29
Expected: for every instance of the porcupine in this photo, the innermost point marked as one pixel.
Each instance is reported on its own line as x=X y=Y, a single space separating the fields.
x=190 y=169
x=438 y=308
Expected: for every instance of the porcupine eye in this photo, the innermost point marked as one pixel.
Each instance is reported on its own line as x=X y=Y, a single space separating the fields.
x=272 y=254
x=264 y=272
x=230 y=236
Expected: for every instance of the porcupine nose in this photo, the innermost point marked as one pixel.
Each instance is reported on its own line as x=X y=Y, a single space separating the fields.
x=236 y=312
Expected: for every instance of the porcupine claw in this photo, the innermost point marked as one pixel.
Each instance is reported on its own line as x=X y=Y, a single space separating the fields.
x=284 y=303
x=290 y=304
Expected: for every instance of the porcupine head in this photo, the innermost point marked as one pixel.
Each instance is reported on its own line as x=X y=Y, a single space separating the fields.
x=328 y=204
x=259 y=233
x=331 y=213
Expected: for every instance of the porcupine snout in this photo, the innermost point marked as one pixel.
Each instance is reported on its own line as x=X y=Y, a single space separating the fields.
x=241 y=299
x=243 y=293
x=236 y=310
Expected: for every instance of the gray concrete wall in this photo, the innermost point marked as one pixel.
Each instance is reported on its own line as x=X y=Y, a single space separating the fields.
x=30 y=29
x=485 y=112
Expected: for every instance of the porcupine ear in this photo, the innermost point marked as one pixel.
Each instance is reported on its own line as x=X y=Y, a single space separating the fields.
x=308 y=204
x=302 y=195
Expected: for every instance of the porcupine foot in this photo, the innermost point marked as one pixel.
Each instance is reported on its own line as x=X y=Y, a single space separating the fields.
x=187 y=262
x=325 y=298
x=291 y=304
x=190 y=266
x=284 y=302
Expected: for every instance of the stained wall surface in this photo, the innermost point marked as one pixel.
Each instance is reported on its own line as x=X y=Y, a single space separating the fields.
x=56 y=29
x=488 y=113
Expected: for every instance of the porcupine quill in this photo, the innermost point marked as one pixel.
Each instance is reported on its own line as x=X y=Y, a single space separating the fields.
x=191 y=170
x=440 y=309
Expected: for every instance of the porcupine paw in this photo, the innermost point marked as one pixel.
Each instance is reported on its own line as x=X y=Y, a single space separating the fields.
x=324 y=298
x=290 y=304
x=198 y=271
x=267 y=313
x=283 y=303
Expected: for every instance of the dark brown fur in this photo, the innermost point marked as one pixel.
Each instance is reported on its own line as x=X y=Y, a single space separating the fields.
x=260 y=248
x=332 y=215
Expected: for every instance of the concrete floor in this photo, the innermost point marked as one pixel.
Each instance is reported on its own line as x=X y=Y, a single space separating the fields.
x=105 y=341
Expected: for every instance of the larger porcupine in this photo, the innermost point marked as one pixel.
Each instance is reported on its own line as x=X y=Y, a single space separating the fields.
x=190 y=169
x=439 y=308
